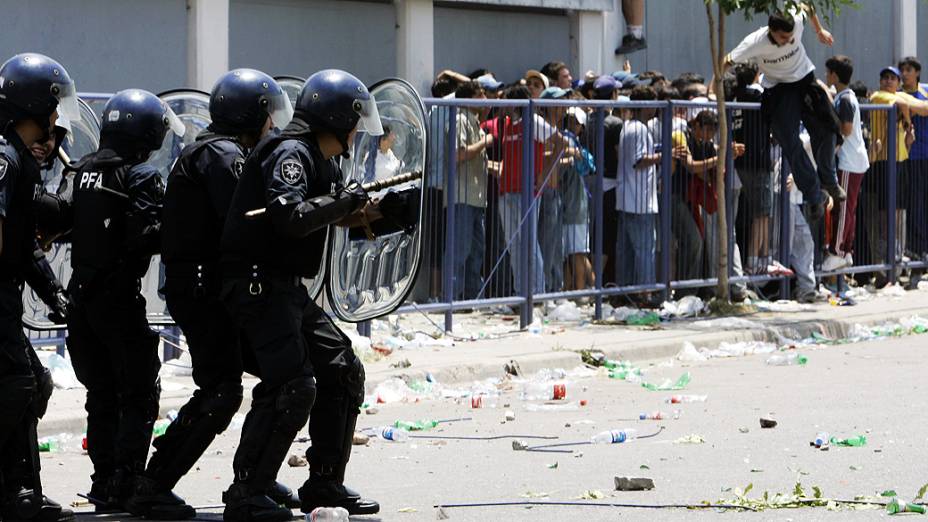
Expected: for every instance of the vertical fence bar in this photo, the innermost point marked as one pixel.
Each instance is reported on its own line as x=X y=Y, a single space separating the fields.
x=451 y=142
x=600 y=131
x=785 y=223
x=364 y=328
x=665 y=207
x=528 y=192
x=891 y=158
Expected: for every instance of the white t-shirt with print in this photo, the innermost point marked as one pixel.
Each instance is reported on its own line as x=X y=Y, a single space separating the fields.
x=785 y=64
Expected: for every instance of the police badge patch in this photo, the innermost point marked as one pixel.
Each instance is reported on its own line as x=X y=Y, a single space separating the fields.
x=291 y=171
x=237 y=167
x=3 y=167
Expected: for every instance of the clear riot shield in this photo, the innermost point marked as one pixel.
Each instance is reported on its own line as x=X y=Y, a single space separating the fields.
x=292 y=85
x=369 y=278
x=83 y=139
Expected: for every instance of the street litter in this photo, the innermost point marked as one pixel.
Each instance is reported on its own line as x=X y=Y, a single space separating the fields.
x=510 y=415
x=360 y=439
x=690 y=439
x=297 y=461
x=727 y=323
x=821 y=441
x=565 y=312
x=614 y=436
x=392 y=434
x=62 y=372
x=519 y=445
x=54 y=443
x=633 y=484
x=859 y=440
x=895 y=290
x=328 y=514
x=688 y=306
x=684 y=399
x=591 y=494
x=897 y=505
x=567 y=406
x=782 y=305
x=767 y=423
x=669 y=385
x=787 y=359
x=534 y=391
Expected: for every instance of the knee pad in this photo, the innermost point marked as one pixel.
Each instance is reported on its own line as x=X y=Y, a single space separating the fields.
x=295 y=400
x=221 y=404
x=44 y=388
x=353 y=381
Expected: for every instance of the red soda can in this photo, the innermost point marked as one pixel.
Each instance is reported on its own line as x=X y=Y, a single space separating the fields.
x=476 y=401
x=560 y=391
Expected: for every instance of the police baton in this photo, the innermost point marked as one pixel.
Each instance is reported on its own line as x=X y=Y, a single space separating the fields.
x=372 y=186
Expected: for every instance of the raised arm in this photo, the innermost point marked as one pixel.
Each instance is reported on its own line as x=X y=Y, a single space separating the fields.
x=823 y=35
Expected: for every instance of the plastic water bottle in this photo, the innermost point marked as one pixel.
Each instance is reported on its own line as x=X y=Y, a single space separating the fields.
x=328 y=514
x=394 y=434
x=160 y=427
x=544 y=391
x=171 y=415
x=787 y=359
x=658 y=415
x=614 y=436
x=821 y=440
x=49 y=444
x=683 y=399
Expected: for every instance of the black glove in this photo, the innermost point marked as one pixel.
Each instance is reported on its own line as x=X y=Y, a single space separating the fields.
x=59 y=307
x=355 y=192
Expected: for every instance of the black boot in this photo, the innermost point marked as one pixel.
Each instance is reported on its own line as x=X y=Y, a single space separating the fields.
x=99 y=497
x=283 y=495
x=154 y=502
x=25 y=507
x=321 y=491
x=246 y=505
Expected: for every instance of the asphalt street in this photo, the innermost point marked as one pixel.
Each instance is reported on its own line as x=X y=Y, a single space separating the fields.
x=875 y=388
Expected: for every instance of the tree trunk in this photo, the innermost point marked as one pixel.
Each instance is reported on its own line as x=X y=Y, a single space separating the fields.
x=716 y=42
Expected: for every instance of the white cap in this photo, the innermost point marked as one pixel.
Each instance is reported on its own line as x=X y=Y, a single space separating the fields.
x=577 y=113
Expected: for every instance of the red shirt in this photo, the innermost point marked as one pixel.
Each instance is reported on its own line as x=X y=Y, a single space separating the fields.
x=508 y=136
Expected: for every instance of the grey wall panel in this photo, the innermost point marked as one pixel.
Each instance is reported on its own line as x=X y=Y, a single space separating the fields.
x=300 y=37
x=678 y=38
x=585 y=5
x=507 y=43
x=106 y=45
x=923 y=38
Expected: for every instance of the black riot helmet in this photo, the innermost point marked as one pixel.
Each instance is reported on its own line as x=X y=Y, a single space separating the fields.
x=32 y=86
x=135 y=123
x=242 y=100
x=335 y=101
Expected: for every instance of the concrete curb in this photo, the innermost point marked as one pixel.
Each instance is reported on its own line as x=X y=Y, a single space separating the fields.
x=459 y=372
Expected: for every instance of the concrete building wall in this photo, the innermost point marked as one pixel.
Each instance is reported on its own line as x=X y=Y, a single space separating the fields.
x=300 y=37
x=106 y=45
x=505 y=42
x=923 y=38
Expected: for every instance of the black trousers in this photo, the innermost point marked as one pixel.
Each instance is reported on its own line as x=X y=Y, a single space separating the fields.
x=115 y=356
x=212 y=341
x=18 y=451
x=287 y=337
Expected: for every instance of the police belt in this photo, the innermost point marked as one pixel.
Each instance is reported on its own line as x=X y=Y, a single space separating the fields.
x=255 y=273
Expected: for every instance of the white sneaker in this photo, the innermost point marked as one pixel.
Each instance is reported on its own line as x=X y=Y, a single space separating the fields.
x=833 y=262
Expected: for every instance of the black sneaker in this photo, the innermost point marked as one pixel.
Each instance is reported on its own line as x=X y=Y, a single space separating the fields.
x=836 y=192
x=245 y=505
x=150 y=501
x=284 y=496
x=631 y=44
x=318 y=493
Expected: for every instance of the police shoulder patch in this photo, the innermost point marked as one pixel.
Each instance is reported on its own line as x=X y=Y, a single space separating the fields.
x=3 y=168
x=237 y=167
x=291 y=171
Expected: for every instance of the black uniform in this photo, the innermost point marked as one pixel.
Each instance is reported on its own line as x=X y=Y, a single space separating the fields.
x=113 y=350
x=290 y=338
x=196 y=201
x=25 y=385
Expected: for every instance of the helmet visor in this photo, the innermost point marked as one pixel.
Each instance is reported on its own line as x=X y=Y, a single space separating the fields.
x=280 y=109
x=173 y=122
x=370 y=117
x=63 y=123
x=67 y=100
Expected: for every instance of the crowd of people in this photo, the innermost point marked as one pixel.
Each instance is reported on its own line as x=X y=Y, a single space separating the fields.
x=835 y=216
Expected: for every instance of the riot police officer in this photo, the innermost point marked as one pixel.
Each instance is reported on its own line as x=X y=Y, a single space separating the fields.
x=304 y=361
x=117 y=218
x=34 y=90
x=244 y=105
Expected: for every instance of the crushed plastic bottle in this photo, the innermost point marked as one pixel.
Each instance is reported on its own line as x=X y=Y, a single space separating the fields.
x=684 y=399
x=419 y=425
x=161 y=426
x=821 y=440
x=659 y=415
x=897 y=505
x=544 y=391
x=643 y=319
x=392 y=434
x=787 y=359
x=860 y=440
x=667 y=385
x=328 y=514
x=614 y=436
x=49 y=445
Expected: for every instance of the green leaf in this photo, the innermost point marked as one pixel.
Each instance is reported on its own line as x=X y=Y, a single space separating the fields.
x=748 y=488
x=643 y=466
x=921 y=492
x=890 y=493
x=816 y=492
x=797 y=490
